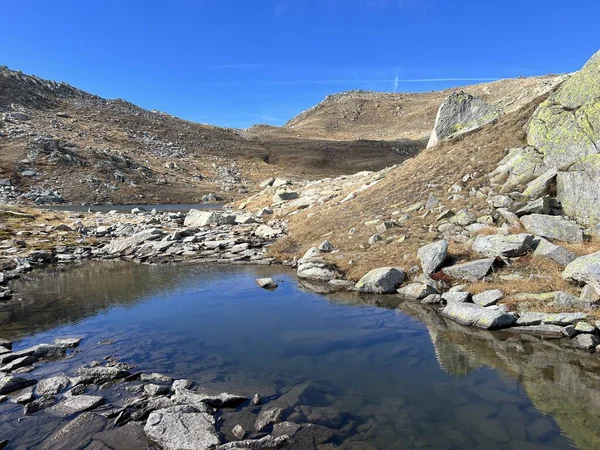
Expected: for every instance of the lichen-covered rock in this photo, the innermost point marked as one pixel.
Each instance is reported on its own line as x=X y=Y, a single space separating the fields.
x=565 y=129
x=416 y=291
x=474 y=315
x=506 y=246
x=384 y=280
x=432 y=256
x=585 y=269
x=539 y=187
x=553 y=227
x=521 y=165
x=540 y=206
x=460 y=113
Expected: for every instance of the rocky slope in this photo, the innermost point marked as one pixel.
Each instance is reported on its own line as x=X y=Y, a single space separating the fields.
x=376 y=115
x=58 y=141
x=500 y=224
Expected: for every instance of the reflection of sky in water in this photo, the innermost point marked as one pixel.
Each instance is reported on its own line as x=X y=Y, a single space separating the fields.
x=214 y=325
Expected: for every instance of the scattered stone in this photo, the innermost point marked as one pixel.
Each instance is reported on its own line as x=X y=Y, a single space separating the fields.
x=539 y=206
x=584 y=327
x=155 y=389
x=326 y=246
x=238 y=432
x=268 y=416
x=463 y=218
x=384 y=280
x=585 y=269
x=433 y=299
x=537 y=318
x=416 y=291
x=155 y=377
x=39 y=404
x=197 y=218
x=97 y=375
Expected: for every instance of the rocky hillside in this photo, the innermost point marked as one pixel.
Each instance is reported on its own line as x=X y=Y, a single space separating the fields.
x=58 y=142
x=506 y=214
x=374 y=115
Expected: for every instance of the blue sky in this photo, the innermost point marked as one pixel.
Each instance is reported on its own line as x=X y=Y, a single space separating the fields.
x=237 y=63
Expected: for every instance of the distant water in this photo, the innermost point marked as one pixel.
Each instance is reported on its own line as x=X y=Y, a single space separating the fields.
x=393 y=377
x=164 y=207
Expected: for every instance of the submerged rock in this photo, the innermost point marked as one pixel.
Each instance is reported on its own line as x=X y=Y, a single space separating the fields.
x=10 y=384
x=266 y=283
x=76 y=404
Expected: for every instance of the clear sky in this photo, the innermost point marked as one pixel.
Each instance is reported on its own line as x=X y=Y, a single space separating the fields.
x=240 y=62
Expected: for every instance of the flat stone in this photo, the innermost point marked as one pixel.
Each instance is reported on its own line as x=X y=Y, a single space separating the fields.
x=474 y=315
x=433 y=299
x=155 y=389
x=548 y=331
x=68 y=342
x=509 y=246
x=39 y=404
x=416 y=291
x=539 y=206
x=268 y=415
x=584 y=327
x=76 y=404
x=470 y=271
x=553 y=227
x=488 y=298
x=182 y=428
x=537 y=318
x=155 y=377
x=265 y=442
x=52 y=385
x=99 y=374
x=17 y=363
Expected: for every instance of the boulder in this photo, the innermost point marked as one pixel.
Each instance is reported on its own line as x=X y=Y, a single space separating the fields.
x=432 y=256
x=317 y=271
x=266 y=283
x=474 y=315
x=553 y=227
x=579 y=192
x=197 y=218
x=505 y=246
x=416 y=291
x=470 y=271
x=456 y=297
x=384 y=280
x=460 y=113
x=488 y=298
x=585 y=269
x=537 y=318
x=558 y=254
x=182 y=428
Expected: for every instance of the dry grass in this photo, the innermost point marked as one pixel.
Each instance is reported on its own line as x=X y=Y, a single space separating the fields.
x=583 y=248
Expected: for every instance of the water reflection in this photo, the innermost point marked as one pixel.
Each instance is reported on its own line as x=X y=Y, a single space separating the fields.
x=382 y=383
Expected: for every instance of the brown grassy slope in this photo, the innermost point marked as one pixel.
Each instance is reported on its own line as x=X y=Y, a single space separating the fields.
x=433 y=171
x=373 y=115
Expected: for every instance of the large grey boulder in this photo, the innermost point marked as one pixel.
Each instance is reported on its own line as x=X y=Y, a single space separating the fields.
x=432 y=256
x=585 y=269
x=384 y=280
x=470 y=271
x=505 y=246
x=558 y=254
x=197 y=218
x=477 y=316
x=553 y=227
x=182 y=428
x=460 y=113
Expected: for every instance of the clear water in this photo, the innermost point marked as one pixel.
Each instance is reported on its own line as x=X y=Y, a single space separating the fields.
x=391 y=376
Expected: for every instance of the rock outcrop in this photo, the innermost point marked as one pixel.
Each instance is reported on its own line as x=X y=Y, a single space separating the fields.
x=460 y=113
x=565 y=131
